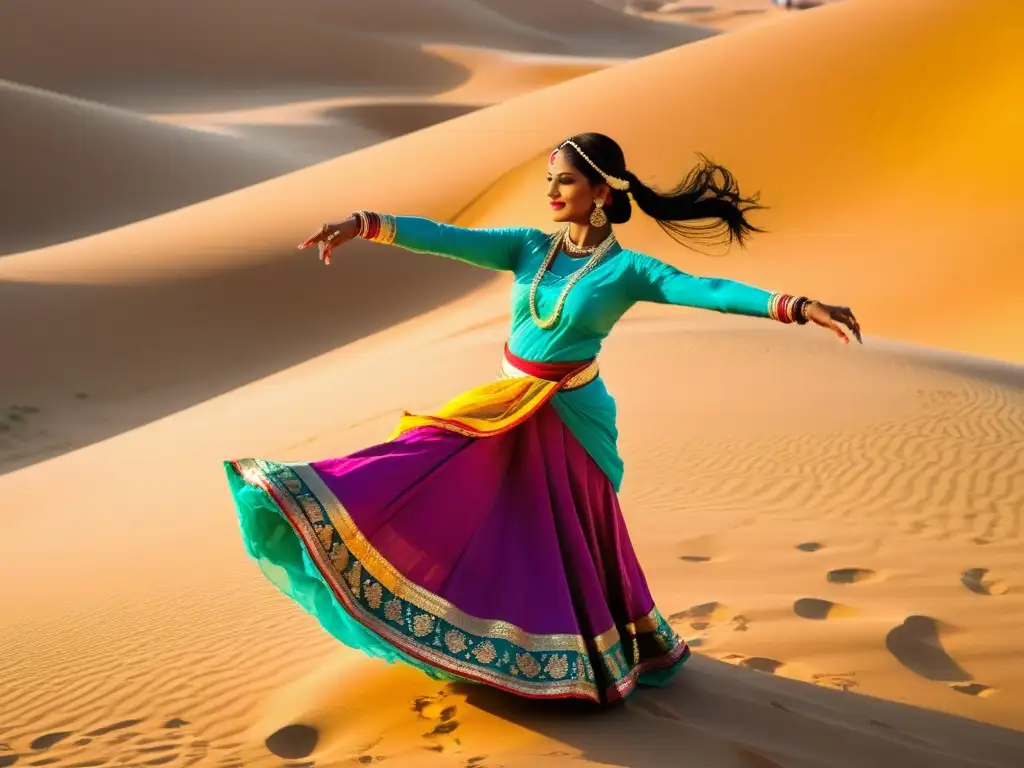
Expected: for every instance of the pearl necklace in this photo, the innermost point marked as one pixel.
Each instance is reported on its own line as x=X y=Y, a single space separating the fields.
x=580 y=250
x=557 y=244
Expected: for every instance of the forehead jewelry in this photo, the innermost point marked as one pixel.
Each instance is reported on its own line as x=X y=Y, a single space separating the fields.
x=622 y=185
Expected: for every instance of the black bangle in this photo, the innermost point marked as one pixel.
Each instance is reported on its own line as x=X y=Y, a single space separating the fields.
x=798 y=310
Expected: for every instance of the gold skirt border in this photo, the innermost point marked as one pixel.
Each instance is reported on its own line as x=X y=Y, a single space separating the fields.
x=430 y=629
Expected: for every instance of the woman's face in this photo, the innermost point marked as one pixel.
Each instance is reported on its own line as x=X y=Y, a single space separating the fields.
x=571 y=193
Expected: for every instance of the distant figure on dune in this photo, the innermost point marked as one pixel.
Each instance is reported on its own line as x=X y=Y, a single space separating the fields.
x=484 y=542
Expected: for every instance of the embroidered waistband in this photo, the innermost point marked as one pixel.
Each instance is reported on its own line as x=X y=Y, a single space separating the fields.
x=573 y=375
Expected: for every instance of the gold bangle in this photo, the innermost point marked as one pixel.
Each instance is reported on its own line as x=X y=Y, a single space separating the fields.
x=360 y=217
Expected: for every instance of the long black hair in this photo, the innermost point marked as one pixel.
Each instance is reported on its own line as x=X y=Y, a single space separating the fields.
x=706 y=206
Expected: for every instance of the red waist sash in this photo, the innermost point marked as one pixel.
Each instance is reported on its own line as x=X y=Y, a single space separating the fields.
x=571 y=374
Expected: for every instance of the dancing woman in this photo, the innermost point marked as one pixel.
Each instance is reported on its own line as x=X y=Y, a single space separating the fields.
x=484 y=542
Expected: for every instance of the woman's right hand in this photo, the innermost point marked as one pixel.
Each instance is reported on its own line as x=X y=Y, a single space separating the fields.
x=330 y=236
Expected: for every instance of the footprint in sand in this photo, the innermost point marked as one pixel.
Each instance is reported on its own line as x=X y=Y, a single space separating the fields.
x=442 y=728
x=973 y=689
x=917 y=646
x=294 y=741
x=850 y=575
x=435 y=708
x=47 y=740
x=756 y=663
x=841 y=681
x=761 y=664
x=816 y=609
x=810 y=546
x=695 y=559
x=702 y=616
x=6 y=760
x=978 y=581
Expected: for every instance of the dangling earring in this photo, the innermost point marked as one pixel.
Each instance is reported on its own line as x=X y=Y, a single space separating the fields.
x=597 y=216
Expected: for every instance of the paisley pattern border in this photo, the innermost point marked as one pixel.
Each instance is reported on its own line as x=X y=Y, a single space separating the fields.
x=430 y=629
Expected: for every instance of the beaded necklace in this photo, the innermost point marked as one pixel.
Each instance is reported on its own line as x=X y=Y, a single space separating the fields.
x=579 y=250
x=556 y=245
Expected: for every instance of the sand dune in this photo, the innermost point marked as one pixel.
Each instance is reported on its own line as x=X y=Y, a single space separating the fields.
x=130 y=55
x=72 y=168
x=160 y=56
x=317 y=129
x=302 y=85
x=114 y=166
x=840 y=540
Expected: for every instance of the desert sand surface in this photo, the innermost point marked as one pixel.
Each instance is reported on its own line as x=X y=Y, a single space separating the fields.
x=837 y=530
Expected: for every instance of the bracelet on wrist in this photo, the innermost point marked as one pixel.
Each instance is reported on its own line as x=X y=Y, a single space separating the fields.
x=362 y=223
x=800 y=310
x=786 y=308
x=377 y=227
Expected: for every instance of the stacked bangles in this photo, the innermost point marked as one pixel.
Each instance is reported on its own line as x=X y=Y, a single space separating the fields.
x=788 y=309
x=375 y=227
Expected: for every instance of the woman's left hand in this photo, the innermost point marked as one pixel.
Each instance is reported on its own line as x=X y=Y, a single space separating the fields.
x=835 y=319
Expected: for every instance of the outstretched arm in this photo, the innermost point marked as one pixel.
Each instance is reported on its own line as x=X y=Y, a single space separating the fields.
x=496 y=249
x=661 y=283
x=658 y=282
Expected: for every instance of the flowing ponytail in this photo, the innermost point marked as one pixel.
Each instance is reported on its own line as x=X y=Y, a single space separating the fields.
x=705 y=207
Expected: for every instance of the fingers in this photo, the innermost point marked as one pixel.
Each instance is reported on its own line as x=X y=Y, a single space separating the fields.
x=845 y=316
x=318 y=237
x=324 y=243
x=839 y=331
x=325 y=251
x=855 y=327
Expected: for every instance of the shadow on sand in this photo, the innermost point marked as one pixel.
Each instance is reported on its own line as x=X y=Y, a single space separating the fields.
x=722 y=715
x=83 y=363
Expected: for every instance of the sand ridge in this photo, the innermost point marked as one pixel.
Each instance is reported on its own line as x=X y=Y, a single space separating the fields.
x=835 y=529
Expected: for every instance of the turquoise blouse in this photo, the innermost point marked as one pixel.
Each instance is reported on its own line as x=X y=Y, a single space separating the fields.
x=591 y=310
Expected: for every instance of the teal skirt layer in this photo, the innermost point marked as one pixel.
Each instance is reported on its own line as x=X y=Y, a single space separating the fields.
x=270 y=539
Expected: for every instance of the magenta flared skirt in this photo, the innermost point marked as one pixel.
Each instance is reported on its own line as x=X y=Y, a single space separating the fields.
x=502 y=560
